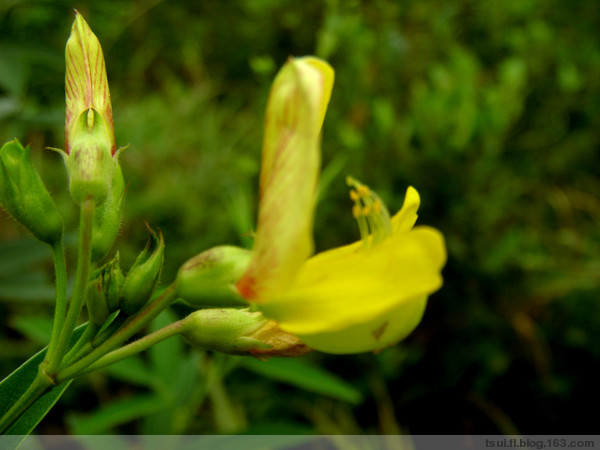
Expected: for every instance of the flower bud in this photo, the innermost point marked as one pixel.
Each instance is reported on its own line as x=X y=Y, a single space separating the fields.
x=90 y=165
x=209 y=278
x=223 y=330
x=143 y=276
x=89 y=130
x=112 y=283
x=107 y=217
x=24 y=196
x=96 y=301
x=239 y=332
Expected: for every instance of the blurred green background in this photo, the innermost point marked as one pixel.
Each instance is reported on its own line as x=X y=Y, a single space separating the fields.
x=491 y=109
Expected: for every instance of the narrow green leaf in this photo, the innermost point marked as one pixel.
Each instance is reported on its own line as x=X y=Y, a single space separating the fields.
x=31 y=289
x=13 y=386
x=116 y=413
x=135 y=371
x=300 y=374
x=35 y=328
x=21 y=254
x=166 y=356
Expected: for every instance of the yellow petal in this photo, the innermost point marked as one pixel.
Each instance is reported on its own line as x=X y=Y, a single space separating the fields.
x=333 y=292
x=405 y=219
x=380 y=332
x=86 y=84
x=289 y=174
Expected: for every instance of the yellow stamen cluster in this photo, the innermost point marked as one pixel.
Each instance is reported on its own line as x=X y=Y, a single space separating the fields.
x=370 y=212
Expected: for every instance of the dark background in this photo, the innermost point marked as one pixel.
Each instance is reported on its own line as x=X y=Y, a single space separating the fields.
x=491 y=109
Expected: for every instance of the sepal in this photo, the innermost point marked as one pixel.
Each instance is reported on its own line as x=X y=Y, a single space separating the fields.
x=208 y=279
x=24 y=196
x=107 y=217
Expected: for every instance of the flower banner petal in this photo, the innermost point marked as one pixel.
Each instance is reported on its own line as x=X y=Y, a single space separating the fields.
x=289 y=175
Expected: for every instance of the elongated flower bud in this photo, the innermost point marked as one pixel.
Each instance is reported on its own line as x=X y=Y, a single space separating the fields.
x=143 y=276
x=24 y=196
x=89 y=130
x=239 y=332
x=209 y=278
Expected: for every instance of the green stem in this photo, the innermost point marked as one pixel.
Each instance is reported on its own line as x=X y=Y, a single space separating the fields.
x=33 y=392
x=226 y=418
x=60 y=311
x=81 y=277
x=135 y=347
x=129 y=328
x=108 y=332
x=91 y=344
x=76 y=350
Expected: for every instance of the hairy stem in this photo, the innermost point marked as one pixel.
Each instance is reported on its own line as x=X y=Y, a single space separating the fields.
x=76 y=350
x=81 y=277
x=134 y=347
x=60 y=310
x=129 y=328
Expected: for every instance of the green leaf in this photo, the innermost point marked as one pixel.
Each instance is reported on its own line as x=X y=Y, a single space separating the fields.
x=116 y=413
x=35 y=328
x=178 y=376
x=303 y=375
x=30 y=286
x=135 y=371
x=20 y=255
x=166 y=356
x=13 y=386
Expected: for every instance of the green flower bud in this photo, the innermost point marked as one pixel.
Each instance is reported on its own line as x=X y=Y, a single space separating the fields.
x=209 y=278
x=107 y=217
x=239 y=332
x=143 y=276
x=112 y=283
x=96 y=301
x=223 y=330
x=89 y=163
x=89 y=129
x=24 y=196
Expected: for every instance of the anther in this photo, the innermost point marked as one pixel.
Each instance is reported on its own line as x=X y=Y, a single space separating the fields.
x=376 y=207
x=371 y=214
x=363 y=191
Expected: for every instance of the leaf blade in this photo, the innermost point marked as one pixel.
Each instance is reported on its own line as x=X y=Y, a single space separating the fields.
x=305 y=376
x=13 y=387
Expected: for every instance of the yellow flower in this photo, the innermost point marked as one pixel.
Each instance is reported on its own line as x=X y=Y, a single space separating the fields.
x=357 y=298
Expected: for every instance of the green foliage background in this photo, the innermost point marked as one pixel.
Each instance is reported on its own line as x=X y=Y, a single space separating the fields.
x=491 y=109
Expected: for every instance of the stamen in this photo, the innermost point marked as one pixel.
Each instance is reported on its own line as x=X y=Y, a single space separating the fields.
x=363 y=191
x=376 y=206
x=371 y=214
